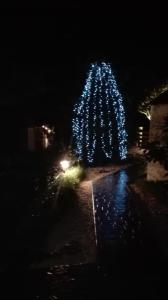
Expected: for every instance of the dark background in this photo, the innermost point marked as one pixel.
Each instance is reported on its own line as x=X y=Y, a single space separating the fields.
x=46 y=52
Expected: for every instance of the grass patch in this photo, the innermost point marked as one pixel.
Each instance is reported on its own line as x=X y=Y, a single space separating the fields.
x=65 y=184
x=71 y=177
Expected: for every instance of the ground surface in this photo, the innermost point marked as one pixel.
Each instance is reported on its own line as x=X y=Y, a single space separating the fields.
x=32 y=235
x=60 y=262
x=71 y=240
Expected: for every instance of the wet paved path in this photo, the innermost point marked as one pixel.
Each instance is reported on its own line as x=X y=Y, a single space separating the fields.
x=113 y=213
x=122 y=230
x=128 y=258
x=118 y=221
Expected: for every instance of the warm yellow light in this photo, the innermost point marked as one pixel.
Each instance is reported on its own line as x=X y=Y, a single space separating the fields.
x=46 y=142
x=65 y=164
x=46 y=128
x=141 y=128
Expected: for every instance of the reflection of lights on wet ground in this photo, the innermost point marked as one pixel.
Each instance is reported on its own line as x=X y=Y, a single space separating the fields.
x=115 y=218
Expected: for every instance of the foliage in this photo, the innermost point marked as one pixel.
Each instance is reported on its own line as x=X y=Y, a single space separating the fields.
x=158 y=150
x=66 y=153
x=145 y=105
x=158 y=188
x=70 y=178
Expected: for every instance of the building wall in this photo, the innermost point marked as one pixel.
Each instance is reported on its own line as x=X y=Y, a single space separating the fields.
x=158 y=114
x=156 y=171
x=37 y=140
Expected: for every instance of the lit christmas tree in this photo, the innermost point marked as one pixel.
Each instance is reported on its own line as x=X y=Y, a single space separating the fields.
x=98 y=125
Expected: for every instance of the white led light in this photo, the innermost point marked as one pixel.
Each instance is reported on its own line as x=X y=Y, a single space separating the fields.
x=99 y=108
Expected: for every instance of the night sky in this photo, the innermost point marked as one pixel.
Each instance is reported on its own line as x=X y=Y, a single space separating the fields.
x=44 y=61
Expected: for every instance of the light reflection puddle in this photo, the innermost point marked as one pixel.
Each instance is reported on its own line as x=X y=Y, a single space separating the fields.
x=114 y=216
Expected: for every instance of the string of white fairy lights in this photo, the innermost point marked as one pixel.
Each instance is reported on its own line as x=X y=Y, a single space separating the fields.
x=99 y=100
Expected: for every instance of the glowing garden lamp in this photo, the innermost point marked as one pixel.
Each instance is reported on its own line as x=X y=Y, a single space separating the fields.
x=65 y=164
